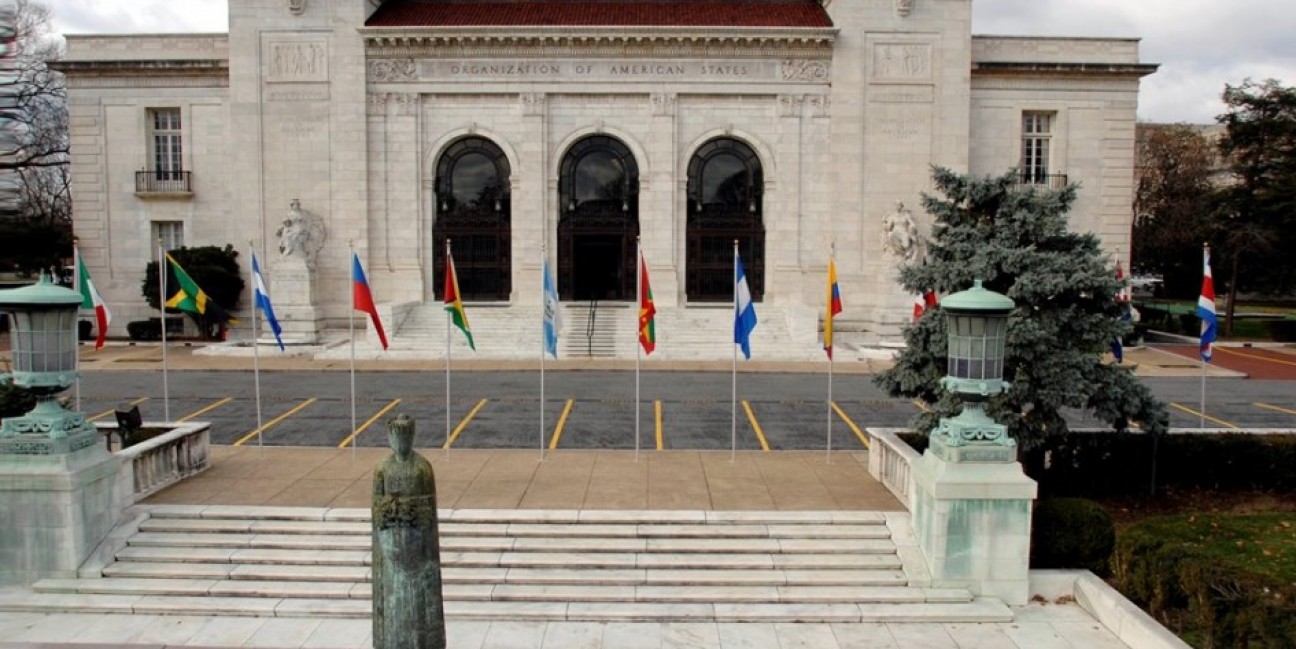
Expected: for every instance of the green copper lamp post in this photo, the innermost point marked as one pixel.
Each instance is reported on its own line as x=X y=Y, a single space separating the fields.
x=977 y=323
x=43 y=331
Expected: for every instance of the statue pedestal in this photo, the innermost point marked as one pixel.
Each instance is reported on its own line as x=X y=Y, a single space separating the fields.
x=972 y=517
x=57 y=508
x=294 y=299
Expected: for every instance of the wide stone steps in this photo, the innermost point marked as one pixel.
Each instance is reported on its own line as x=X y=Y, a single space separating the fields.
x=517 y=565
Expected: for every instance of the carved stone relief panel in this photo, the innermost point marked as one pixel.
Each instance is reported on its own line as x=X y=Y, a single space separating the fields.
x=406 y=102
x=790 y=105
x=392 y=70
x=533 y=103
x=806 y=70
x=820 y=105
x=902 y=61
x=376 y=103
x=297 y=61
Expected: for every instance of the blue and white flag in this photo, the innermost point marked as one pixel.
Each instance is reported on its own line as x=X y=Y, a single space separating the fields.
x=552 y=313
x=262 y=297
x=744 y=310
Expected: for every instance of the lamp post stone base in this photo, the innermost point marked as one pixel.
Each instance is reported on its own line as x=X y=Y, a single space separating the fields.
x=972 y=518
x=57 y=507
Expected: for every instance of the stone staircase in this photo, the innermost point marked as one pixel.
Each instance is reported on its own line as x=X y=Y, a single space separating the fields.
x=543 y=565
x=612 y=334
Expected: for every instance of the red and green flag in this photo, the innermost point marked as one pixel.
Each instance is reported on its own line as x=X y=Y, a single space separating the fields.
x=454 y=305
x=90 y=299
x=647 y=311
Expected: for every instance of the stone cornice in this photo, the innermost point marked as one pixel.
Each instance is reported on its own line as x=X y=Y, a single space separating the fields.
x=599 y=41
x=181 y=68
x=986 y=68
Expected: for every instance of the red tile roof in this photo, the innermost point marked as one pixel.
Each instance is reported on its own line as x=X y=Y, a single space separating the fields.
x=607 y=13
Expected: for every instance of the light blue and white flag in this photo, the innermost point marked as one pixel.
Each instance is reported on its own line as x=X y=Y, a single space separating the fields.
x=262 y=297
x=744 y=310
x=552 y=313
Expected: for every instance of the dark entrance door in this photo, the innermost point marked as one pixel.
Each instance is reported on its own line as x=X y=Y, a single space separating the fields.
x=473 y=211
x=724 y=205
x=599 y=195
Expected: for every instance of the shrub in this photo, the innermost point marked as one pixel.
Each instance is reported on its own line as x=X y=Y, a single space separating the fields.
x=15 y=401
x=1282 y=330
x=1072 y=533
x=1221 y=581
x=150 y=329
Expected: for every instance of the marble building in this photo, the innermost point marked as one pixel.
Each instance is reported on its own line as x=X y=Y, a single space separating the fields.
x=520 y=129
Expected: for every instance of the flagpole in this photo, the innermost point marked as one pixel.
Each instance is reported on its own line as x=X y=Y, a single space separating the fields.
x=256 y=355
x=76 y=284
x=832 y=253
x=544 y=305
x=1201 y=405
x=638 y=346
x=351 y=330
x=733 y=431
x=163 y=268
x=448 y=263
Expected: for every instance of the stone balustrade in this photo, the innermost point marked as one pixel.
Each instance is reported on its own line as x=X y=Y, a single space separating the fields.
x=162 y=461
x=891 y=463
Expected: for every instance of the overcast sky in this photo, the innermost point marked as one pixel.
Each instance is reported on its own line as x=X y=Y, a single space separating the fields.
x=1200 y=44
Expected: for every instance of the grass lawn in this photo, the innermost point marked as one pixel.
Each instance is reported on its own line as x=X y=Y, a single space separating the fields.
x=1260 y=543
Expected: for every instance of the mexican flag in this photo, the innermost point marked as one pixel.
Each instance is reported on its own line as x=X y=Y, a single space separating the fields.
x=90 y=299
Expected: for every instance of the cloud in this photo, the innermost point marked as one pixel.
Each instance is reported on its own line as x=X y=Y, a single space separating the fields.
x=1200 y=44
x=139 y=16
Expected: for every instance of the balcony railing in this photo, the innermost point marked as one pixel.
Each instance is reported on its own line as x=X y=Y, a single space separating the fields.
x=1051 y=181
x=163 y=182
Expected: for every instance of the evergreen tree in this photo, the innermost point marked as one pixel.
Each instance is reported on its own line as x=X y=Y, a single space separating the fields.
x=1015 y=238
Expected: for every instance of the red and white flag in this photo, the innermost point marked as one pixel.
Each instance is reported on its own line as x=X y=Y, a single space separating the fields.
x=927 y=300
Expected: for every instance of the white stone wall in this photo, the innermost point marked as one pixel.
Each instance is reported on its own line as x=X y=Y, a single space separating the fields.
x=302 y=116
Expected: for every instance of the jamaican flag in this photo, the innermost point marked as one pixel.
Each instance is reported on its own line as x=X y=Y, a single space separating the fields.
x=183 y=293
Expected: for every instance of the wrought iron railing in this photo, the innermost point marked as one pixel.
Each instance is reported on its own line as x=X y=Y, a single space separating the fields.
x=1051 y=181
x=159 y=181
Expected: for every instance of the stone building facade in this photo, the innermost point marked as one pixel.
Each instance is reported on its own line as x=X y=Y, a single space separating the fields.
x=510 y=127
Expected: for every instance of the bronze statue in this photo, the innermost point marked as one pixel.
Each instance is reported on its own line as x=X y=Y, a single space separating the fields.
x=408 y=608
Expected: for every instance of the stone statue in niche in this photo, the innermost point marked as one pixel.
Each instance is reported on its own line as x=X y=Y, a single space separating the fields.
x=900 y=237
x=903 y=7
x=301 y=236
x=408 y=607
x=296 y=7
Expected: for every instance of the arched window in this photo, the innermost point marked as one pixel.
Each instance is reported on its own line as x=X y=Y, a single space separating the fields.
x=598 y=199
x=473 y=211
x=724 y=204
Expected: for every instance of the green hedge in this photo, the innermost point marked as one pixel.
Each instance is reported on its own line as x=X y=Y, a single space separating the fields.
x=1101 y=465
x=1217 y=581
x=1072 y=533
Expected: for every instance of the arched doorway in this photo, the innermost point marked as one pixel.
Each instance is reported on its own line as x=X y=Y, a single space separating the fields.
x=724 y=204
x=598 y=198
x=473 y=211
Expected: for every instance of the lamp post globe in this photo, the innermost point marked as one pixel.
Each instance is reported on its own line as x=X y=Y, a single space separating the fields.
x=977 y=326
x=43 y=334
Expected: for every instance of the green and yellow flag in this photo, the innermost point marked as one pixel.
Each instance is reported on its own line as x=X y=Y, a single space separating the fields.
x=186 y=295
x=453 y=305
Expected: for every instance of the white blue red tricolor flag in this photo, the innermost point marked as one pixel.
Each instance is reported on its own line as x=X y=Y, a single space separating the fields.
x=1206 y=308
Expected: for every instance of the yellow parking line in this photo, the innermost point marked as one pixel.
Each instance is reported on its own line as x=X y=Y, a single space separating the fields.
x=1206 y=417
x=463 y=423
x=657 y=414
x=112 y=410
x=760 y=435
x=369 y=422
x=850 y=424
x=1258 y=357
x=1275 y=408
x=274 y=421
x=562 y=421
x=921 y=405
x=207 y=409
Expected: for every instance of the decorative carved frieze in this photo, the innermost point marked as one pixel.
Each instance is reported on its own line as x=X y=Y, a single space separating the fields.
x=813 y=71
x=819 y=105
x=533 y=103
x=392 y=70
x=790 y=105
x=663 y=103
x=630 y=43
